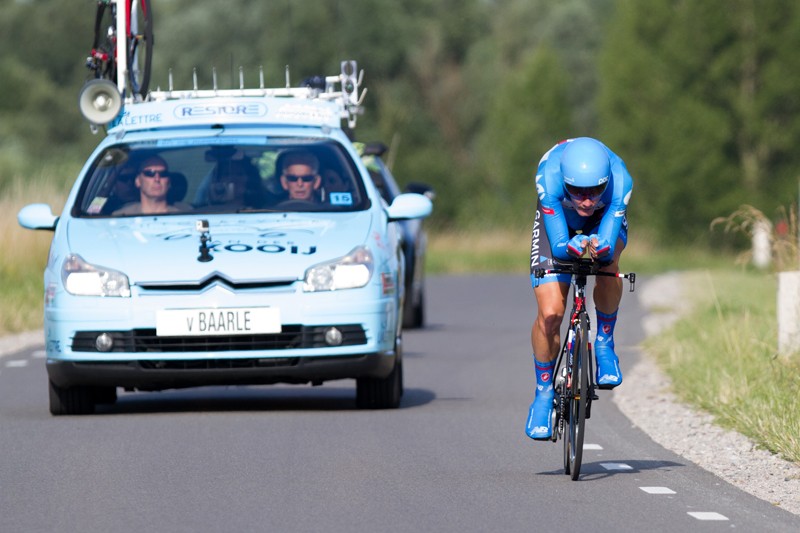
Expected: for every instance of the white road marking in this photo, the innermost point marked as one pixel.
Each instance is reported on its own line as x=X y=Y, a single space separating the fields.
x=39 y=354
x=616 y=466
x=657 y=490
x=708 y=516
x=16 y=363
x=592 y=447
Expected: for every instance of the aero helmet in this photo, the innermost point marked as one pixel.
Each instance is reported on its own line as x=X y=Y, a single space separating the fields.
x=585 y=167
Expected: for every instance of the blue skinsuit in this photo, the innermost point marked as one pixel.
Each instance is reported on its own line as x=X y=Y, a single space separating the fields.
x=561 y=221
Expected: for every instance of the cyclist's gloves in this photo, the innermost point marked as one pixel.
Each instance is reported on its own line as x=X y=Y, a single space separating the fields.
x=576 y=245
x=602 y=248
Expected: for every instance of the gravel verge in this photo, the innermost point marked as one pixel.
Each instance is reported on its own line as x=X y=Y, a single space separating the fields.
x=646 y=398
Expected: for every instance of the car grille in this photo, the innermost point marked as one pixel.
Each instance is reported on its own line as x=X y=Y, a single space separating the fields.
x=291 y=337
x=214 y=279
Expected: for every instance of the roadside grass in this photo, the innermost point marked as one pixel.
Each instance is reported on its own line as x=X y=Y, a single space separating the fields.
x=723 y=358
x=24 y=255
x=492 y=251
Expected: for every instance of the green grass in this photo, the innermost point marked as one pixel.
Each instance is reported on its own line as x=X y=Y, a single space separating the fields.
x=723 y=358
x=507 y=251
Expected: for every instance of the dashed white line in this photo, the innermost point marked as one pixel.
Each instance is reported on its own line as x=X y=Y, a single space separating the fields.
x=592 y=447
x=616 y=466
x=16 y=363
x=708 y=516
x=39 y=354
x=657 y=490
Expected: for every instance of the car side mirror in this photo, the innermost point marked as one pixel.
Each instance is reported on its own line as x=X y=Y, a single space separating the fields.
x=409 y=205
x=37 y=216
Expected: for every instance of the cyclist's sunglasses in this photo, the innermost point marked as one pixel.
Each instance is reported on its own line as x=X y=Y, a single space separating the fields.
x=150 y=173
x=580 y=193
x=308 y=178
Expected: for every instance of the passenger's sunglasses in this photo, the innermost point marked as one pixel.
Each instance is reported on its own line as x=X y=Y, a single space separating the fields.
x=150 y=173
x=308 y=178
x=580 y=193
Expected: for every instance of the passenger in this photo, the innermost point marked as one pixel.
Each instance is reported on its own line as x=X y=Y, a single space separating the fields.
x=237 y=184
x=333 y=182
x=123 y=192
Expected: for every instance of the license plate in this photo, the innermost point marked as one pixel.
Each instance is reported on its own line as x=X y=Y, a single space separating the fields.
x=223 y=321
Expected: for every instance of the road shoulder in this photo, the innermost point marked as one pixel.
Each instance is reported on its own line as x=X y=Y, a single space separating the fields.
x=647 y=400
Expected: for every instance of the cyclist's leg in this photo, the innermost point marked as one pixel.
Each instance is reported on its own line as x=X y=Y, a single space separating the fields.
x=551 y=297
x=607 y=295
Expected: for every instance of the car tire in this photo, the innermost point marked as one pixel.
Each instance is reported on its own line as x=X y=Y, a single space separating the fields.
x=382 y=393
x=414 y=312
x=71 y=400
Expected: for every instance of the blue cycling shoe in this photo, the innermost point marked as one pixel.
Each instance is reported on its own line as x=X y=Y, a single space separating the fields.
x=609 y=374
x=540 y=420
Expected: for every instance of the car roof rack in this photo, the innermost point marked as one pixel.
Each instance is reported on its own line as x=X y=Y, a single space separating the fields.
x=343 y=91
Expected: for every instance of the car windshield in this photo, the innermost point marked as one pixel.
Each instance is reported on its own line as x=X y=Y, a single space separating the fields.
x=221 y=175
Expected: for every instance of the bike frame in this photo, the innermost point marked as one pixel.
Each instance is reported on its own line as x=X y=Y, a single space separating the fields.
x=123 y=23
x=579 y=329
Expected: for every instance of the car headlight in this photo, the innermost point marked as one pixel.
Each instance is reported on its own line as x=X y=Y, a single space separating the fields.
x=82 y=279
x=349 y=272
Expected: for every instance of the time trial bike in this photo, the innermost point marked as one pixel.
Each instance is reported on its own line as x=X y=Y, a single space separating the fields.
x=574 y=371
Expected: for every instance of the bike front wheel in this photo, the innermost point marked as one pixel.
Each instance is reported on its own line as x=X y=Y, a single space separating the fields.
x=102 y=58
x=140 y=46
x=578 y=393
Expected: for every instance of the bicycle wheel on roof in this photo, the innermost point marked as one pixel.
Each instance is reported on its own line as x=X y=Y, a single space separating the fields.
x=102 y=58
x=140 y=46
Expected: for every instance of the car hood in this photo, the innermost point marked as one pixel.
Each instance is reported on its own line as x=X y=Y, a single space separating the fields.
x=243 y=247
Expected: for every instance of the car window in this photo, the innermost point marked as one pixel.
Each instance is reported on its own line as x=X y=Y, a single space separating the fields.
x=221 y=176
x=381 y=177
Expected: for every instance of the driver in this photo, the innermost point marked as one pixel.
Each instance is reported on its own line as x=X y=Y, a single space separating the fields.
x=300 y=175
x=583 y=190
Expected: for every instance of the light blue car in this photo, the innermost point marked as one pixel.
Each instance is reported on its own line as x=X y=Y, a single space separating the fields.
x=223 y=238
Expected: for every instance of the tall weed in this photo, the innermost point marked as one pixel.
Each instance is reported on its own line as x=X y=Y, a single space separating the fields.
x=25 y=253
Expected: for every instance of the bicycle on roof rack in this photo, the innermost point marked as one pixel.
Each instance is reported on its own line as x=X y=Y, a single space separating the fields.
x=574 y=373
x=120 y=59
x=132 y=19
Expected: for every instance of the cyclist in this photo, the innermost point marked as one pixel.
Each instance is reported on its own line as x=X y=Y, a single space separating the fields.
x=583 y=189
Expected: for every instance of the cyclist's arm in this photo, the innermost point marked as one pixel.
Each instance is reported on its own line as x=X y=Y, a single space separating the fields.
x=612 y=219
x=551 y=193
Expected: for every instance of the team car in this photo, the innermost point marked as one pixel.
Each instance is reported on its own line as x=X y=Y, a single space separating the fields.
x=235 y=279
x=415 y=239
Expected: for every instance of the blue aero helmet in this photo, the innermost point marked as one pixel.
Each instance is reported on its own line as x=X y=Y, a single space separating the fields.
x=586 y=168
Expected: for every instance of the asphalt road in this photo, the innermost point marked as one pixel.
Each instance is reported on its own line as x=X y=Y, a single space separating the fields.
x=454 y=457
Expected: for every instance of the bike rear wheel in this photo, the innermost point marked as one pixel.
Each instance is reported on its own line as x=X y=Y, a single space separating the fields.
x=140 y=46
x=577 y=399
x=102 y=61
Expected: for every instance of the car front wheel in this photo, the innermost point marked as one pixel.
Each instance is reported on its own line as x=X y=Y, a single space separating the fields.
x=383 y=393
x=71 y=400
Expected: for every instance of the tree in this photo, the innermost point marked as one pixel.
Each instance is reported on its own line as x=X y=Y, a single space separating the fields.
x=530 y=114
x=699 y=98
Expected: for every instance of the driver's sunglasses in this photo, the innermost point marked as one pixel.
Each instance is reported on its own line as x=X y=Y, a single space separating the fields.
x=581 y=193
x=150 y=173
x=308 y=178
